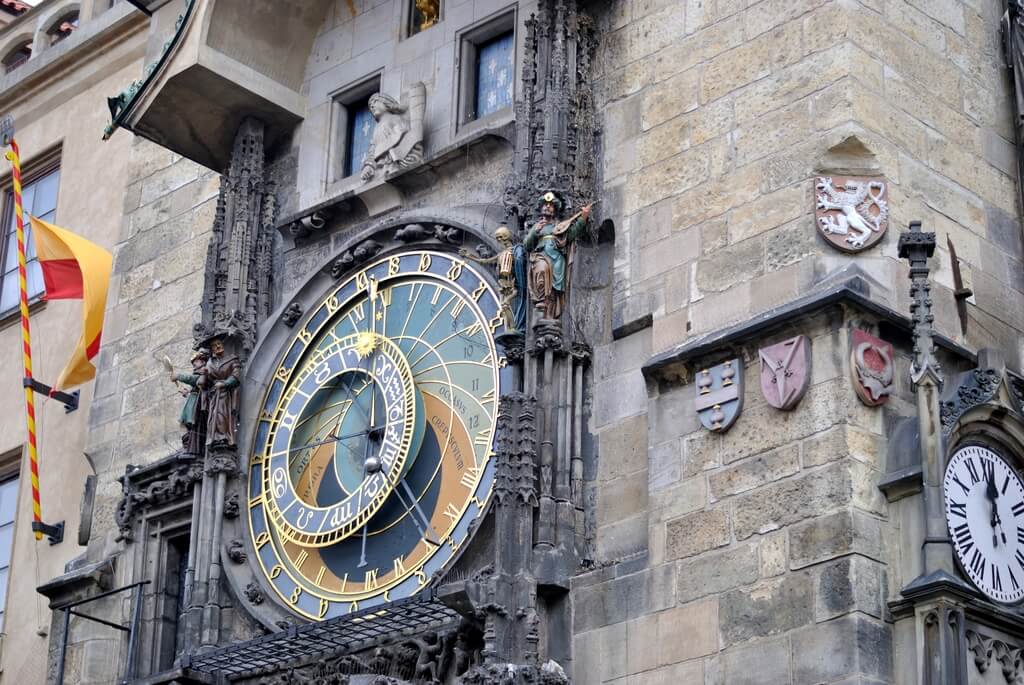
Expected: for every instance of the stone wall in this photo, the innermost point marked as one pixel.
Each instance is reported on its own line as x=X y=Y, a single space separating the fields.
x=767 y=554
x=153 y=304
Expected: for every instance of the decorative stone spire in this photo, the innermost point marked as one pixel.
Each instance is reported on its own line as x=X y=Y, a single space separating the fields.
x=916 y=246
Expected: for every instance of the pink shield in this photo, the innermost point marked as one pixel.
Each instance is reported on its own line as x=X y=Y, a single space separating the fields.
x=785 y=372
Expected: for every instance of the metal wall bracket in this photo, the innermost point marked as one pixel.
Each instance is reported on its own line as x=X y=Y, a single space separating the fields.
x=54 y=533
x=68 y=399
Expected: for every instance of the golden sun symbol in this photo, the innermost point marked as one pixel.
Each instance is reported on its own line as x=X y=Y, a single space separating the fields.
x=365 y=344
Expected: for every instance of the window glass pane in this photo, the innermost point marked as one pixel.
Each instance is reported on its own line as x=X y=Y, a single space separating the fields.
x=8 y=500
x=9 y=294
x=3 y=589
x=40 y=200
x=34 y=279
x=494 y=71
x=360 y=132
x=6 y=534
x=44 y=200
x=11 y=254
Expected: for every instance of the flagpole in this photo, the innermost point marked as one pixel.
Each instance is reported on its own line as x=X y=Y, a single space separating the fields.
x=26 y=338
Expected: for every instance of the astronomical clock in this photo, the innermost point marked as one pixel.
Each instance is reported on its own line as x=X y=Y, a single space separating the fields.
x=373 y=452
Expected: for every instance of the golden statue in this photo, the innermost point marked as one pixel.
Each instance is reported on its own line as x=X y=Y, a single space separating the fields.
x=428 y=13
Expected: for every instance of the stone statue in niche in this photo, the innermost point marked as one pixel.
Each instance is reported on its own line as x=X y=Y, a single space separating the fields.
x=220 y=383
x=193 y=413
x=551 y=244
x=510 y=264
x=397 y=141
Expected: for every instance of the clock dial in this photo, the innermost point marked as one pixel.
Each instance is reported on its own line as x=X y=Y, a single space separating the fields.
x=984 y=501
x=373 y=453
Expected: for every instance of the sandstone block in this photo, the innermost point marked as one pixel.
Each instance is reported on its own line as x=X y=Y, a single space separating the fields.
x=686 y=497
x=774 y=554
x=790 y=501
x=665 y=465
x=696 y=533
x=622 y=497
x=843 y=532
x=768 y=212
x=769 y=609
x=673 y=414
x=850 y=645
x=668 y=254
x=623 y=448
x=687 y=632
x=671 y=329
x=699 y=47
x=765 y=661
x=672 y=176
x=850 y=584
x=731 y=265
x=670 y=98
x=168 y=179
x=620 y=538
x=754 y=472
x=751 y=61
x=768 y=14
x=716 y=572
x=774 y=131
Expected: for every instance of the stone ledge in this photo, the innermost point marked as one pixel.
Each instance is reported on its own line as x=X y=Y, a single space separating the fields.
x=79 y=583
x=681 y=362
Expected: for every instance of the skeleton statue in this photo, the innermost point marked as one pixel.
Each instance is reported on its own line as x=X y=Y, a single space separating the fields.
x=863 y=210
x=510 y=264
x=397 y=141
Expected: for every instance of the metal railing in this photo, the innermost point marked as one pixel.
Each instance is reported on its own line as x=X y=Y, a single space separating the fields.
x=69 y=610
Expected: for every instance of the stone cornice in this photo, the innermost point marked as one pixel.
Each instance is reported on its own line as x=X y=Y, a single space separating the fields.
x=853 y=292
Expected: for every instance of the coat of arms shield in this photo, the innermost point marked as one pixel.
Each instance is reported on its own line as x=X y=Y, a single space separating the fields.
x=720 y=395
x=871 y=366
x=785 y=371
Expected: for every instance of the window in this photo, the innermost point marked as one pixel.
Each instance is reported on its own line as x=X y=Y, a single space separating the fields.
x=487 y=69
x=63 y=27
x=423 y=14
x=352 y=129
x=360 y=133
x=39 y=197
x=18 y=56
x=8 y=507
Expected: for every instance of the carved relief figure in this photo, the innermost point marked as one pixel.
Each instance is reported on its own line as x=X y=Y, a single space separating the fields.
x=398 y=136
x=193 y=414
x=852 y=213
x=550 y=244
x=510 y=264
x=220 y=393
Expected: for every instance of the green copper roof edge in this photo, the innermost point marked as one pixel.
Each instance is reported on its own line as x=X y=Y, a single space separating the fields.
x=124 y=102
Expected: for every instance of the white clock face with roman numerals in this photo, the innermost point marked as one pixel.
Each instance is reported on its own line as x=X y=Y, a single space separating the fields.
x=985 y=513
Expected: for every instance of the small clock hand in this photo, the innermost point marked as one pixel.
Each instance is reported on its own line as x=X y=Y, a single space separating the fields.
x=992 y=493
x=332 y=439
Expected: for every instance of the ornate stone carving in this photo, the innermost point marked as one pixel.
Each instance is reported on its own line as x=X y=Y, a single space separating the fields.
x=413 y=232
x=239 y=264
x=231 y=506
x=146 y=487
x=785 y=371
x=871 y=365
x=852 y=213
x=291 y=315
x=720 y=395
x=556 y=140
x=516 y=450
x=398 y=136
x=917 y=246
x=236 y=551
x=985 y=650
x=254 y=594
x=976 y=388
x=221 y=460
x=361 y=253
x=1013 y=44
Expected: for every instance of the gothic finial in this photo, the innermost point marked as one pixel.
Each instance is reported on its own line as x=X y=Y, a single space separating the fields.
x=916 y=246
